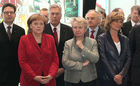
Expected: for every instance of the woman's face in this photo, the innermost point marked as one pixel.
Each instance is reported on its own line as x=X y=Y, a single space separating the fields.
x=116 y=25
x=37 y=26
x=78 y=29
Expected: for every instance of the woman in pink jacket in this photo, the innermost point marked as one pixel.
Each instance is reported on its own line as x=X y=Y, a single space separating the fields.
x=37 y=55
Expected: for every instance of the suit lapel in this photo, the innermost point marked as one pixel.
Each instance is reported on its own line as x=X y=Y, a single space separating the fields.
x=112 y=42
x=87 y=33
x=99 y=32
x=48 y=30
x=130 y=24
x=14 y=34
x=62 y=31
x=3 y=32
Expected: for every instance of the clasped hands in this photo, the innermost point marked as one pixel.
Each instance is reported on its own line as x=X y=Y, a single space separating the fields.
x=118 y=79
x=43 y=79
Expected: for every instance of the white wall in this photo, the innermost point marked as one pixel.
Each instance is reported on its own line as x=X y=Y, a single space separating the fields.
x=124 y=4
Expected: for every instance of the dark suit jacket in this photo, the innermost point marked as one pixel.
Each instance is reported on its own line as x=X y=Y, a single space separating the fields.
x=112 y=62
x=134 y=38
x=9 y=66
x=127 y=26
x=65 y=34
x=100 y=31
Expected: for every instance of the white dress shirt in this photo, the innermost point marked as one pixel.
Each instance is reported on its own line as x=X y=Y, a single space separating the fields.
x=57 y=30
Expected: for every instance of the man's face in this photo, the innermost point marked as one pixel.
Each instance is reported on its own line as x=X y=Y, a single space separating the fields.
x=134 y=16
x=55 y=16
x=93 y=19
x=45 y=13
x=8 y=15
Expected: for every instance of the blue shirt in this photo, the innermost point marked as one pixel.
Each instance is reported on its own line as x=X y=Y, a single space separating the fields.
x=95 y=31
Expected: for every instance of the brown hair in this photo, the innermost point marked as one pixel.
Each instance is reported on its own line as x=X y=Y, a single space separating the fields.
x=44 y=9
x=135 y=7
x=35 y=17
x=9 y=5
x=113 y=16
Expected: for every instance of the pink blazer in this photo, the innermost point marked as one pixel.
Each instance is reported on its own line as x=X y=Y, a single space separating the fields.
x=35 y=60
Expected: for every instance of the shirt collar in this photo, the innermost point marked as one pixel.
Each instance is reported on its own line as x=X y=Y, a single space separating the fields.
x=95 y=30
x=133 y=23
x=6 y=25
x=58 y=27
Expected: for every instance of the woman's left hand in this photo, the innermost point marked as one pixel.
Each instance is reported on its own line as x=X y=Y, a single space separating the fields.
x=47 y=79
x=118 y=79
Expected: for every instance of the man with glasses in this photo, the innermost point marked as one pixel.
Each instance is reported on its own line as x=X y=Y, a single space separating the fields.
x=9 y=39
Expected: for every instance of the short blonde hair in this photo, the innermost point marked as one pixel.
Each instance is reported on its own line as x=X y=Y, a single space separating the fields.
x=80 y=20
x=113 y=16
x=35 y=17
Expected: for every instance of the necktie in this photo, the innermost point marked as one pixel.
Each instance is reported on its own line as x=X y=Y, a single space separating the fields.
x=8 y=31
x=55 y=35
x=92 y=36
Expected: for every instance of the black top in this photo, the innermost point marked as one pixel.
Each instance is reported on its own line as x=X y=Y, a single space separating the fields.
x=39 y=44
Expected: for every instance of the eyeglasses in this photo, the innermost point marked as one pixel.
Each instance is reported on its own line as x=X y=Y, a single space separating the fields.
x=7 y=12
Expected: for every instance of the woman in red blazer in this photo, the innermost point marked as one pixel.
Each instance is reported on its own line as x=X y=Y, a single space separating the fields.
x=37 y=55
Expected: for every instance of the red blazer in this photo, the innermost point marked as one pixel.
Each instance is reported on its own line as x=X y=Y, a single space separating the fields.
x=35 y=60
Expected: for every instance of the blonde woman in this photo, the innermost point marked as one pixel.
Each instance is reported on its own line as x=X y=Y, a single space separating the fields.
x=114 y=52
x=80 y=56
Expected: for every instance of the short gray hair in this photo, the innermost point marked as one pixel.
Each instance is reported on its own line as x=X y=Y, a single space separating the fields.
x=55 y=6
x=98 y=13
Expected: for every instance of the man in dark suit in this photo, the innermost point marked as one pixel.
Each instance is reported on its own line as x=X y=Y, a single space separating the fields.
x=9 y=39
x=94 y=19
x=61 y=34
x=127 y=26
x=134 y=41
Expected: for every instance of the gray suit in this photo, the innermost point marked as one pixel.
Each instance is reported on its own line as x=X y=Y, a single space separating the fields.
x=73 y=58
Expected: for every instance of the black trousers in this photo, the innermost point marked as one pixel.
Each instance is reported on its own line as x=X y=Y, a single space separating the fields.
x=60 y=80
x=92 y=83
